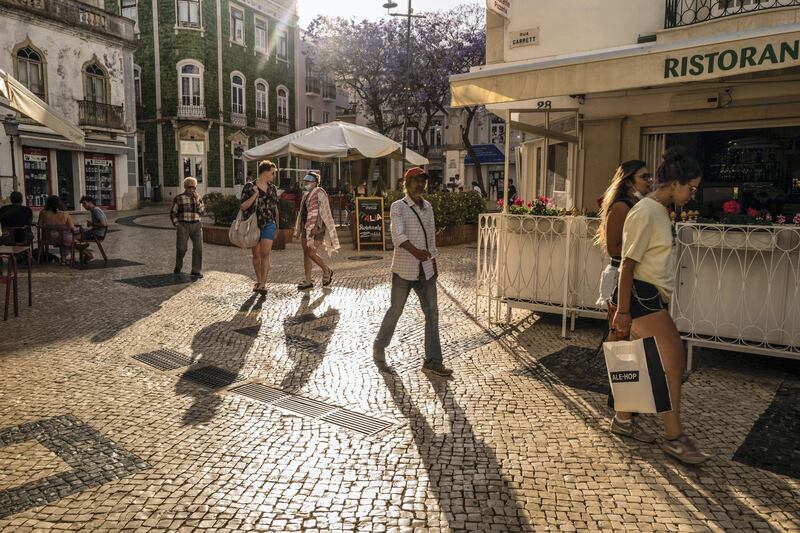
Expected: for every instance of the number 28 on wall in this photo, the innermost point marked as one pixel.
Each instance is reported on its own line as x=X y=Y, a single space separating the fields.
x=544 y=104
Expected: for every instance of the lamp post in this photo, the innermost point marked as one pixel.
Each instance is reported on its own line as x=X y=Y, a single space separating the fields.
x=389 y=5
x=11 y=126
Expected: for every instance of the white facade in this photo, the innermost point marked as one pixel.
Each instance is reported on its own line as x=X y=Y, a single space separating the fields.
x=86 y=71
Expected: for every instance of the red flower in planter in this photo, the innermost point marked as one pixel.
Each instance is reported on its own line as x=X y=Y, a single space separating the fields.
x=732 y=207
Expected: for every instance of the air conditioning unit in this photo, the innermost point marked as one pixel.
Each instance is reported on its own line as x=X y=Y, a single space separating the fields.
x=697 y=100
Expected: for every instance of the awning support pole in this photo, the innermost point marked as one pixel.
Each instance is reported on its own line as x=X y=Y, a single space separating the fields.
x=506 y=168
x=546 y=151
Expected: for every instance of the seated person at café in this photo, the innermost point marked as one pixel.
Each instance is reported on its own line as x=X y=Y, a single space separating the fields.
x=57 y=225
x=98 y=223
x=16 y=216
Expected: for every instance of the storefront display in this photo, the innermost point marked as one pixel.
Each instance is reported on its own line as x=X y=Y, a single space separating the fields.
x=36 y=168
x=99 y=169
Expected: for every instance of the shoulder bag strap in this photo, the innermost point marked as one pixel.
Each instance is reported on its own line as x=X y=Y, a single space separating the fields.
x=425 y=233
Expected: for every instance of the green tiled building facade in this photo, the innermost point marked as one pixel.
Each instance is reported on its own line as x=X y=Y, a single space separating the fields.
x=214 y=77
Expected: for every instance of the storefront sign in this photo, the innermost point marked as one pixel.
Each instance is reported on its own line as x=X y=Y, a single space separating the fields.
x=732 y=59
x=522 y=38
x=370 y=222
x=501 y=7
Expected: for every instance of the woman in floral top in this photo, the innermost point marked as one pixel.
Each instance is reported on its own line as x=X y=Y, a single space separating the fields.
x=261 y=196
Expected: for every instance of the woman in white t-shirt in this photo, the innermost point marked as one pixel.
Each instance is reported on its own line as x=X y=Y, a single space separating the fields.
x=646 y=282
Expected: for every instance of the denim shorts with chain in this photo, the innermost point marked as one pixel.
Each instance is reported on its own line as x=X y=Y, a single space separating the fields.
x=645 y=299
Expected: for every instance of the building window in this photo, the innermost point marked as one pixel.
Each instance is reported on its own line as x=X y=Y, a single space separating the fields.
x=95 y=84
x=283 y=105
x=30 y=71
x=237 y=25
x=261 y=35
x=129 y=9
x=309 y=117
x=137 y=84
x=411 y=138
x=238 y=165
x=326 y=117
x=435 y=135
x=237 y=94
x=497 y=132
x=283 y=44
x=189 y=13
x=262 y=99
x=191 y=85
x=193 y=159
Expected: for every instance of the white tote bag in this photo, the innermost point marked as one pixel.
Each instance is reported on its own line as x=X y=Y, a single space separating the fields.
x=244 y=233
x=636 y=375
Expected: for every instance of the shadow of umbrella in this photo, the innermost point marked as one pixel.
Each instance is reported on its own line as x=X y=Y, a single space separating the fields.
x=464 y=471
x=207 y=350
x=307 y=338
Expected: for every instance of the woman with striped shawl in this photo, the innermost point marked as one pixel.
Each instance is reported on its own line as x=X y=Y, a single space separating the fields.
x=315 y=228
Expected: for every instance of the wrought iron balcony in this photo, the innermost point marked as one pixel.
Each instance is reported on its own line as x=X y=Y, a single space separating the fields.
x=78 y=15
x=263 y=123
x=329 y=91
x=283 y=124
x=239 y=119
x=312 y=85
x=687 y=12
x=101 y=115
x=311 y=123
x=192 y=111
x=348 y=111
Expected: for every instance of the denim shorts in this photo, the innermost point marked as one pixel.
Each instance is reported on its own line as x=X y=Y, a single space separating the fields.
x=269 y=231
x=645 y=299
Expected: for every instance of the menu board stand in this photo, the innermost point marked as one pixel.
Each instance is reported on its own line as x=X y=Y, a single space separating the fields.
x=370 y=230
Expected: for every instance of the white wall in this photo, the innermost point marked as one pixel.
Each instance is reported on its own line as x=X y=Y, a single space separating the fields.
x=65 y=55
x=570 y=26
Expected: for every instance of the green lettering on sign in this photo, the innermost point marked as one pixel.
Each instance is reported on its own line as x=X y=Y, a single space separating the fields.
x=727 y=60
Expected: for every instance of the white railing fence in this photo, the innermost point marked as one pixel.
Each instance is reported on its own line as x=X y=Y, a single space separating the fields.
x=737 y=287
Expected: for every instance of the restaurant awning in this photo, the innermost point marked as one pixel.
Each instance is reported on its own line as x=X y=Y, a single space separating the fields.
x=487 y=154
x=636 y=66
x=30 y=105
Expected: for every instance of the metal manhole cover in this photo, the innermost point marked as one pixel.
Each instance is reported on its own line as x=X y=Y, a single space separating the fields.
x=365 y=258
x=211 y=376
x=165 y=360
x=260 y=392
x=356 y=422
x=304 y=406
x=154 y=281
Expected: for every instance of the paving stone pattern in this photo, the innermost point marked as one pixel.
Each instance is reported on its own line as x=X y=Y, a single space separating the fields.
x=517 y=440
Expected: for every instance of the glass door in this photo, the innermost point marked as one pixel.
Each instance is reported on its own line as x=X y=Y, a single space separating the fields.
x=193 y=162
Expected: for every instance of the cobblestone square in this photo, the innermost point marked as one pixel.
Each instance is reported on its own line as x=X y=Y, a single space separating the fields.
x=298 y=431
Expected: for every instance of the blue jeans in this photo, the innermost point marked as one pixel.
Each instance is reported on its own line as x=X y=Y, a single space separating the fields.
x=426 y=292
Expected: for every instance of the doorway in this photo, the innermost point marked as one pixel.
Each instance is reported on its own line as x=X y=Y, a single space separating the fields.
x=66 y=178
x=193 y=163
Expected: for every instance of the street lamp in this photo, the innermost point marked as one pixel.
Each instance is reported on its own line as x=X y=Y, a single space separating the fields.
x=11 y=126
x=389 y=5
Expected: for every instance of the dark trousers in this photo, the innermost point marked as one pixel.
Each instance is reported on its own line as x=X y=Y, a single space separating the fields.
x=426 y=292
x=186 y=231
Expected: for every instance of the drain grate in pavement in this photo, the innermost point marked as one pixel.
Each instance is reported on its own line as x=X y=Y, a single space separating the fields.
x=773 y=443
x=98 y=264
x=356 y=422
x=155 y=281
x=325 y=412
x=165 y=360
x=365 y=257
x=305 y=406
x=211 y=376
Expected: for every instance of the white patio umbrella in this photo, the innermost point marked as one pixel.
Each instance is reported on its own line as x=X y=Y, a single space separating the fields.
x=20 y=98
x=335 y=140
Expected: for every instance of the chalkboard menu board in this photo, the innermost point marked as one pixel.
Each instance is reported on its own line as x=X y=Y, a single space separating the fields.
x=100 y=179
x=36 y=169
x=370 y=222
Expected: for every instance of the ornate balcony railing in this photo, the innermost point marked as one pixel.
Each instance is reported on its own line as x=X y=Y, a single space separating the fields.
x=350 y=110
x=192 y=111
x=239 y=119
x=263 y=123
x=329 y=91
x=311 y=123
x=78 y=15
x=312 y=85
x=101 y=115
x=686 y=12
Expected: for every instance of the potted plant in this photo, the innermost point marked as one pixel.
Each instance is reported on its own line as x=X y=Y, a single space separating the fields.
x=223 y=210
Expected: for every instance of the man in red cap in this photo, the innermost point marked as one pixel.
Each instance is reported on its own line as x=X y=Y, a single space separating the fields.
x=413 y=267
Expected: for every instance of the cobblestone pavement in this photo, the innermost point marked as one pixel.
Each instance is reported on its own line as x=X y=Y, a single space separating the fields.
x=92 y=439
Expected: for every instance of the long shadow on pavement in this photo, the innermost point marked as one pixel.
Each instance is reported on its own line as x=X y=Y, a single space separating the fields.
x=465 y=475
x=207 y=350
x=307 y=337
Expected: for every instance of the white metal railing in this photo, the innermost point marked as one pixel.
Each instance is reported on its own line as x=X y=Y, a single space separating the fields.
x=192 y=111
x=737 y=287
x=262 y=123
x=238 y=119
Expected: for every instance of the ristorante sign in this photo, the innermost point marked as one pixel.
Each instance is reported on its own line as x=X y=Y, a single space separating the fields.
x=773 y=54
x=501 y=7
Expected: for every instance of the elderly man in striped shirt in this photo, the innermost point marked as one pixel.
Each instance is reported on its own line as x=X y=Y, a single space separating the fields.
x=413 y=267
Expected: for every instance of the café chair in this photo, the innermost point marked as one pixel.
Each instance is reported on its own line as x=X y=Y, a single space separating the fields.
x=96 y=240
x=20 y=237
x=59 y=236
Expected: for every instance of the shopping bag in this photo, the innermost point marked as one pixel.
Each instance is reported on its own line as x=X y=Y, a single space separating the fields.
x=244 y=233
x=636 y=375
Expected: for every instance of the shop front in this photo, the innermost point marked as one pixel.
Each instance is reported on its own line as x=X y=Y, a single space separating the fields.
x=733 y=101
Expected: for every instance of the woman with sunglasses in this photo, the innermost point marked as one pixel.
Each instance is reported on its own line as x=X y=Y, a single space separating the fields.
x=646 y=283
